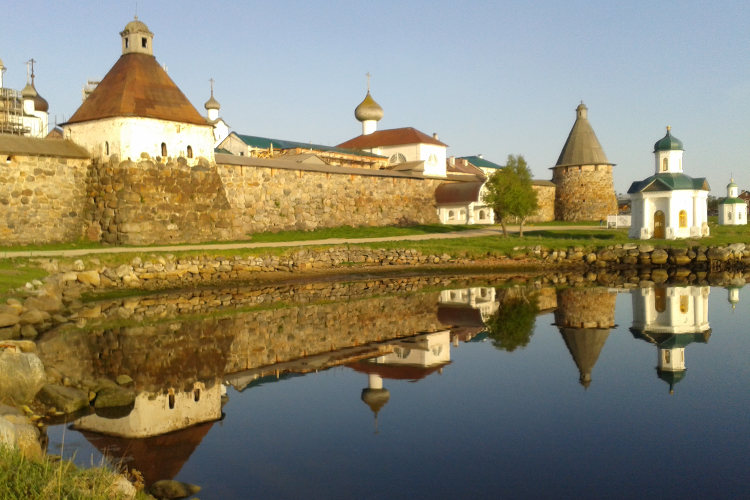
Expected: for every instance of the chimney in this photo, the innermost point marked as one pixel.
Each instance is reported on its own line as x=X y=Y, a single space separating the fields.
x=435 y=136
x=480 y=155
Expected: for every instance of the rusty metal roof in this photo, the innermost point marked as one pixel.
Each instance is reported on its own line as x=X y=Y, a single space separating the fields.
x=390 y=137
x=137 y=86
x=21 y=145
x=459 y=192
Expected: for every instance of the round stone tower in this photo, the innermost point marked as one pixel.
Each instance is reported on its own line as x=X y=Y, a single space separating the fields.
x=583 y=175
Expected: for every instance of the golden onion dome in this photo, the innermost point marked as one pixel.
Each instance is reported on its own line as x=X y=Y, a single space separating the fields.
x=368 y=109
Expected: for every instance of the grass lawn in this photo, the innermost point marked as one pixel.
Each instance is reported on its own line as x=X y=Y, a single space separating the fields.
x=358 y=232
x=16 y=273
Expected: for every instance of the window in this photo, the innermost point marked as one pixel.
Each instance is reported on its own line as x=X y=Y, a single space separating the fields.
x=432 y=160
x=729 y=215
x=660 y=299
x=144 y=42
x=396 y=158
x=683 y=218
x=163 y=149
x=664 y=165
x=450 y=214
x=481 y=214
x=106 y=148
x=667 y=356
x=190 y=151
x=684 y=304
x=126 y=43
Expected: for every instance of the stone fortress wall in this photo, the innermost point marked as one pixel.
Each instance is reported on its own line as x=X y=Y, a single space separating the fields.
x=55 y=199
x=42 y=199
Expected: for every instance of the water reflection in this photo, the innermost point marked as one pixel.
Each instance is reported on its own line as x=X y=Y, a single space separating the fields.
x=381 y=333
x=671 y=318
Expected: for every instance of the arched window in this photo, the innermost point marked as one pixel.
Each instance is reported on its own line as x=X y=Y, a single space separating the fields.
x=683 y=218
x=660 y=299
x=451 y=214
x=164 y=149
x=106 y=148
x=144 y=42
x=396 y=158
x=684 y=304
x=190 y=151
x=664 y=164
x=667 y=357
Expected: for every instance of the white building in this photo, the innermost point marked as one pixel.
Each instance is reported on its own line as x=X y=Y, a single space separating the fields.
x=669 y=204
x=732 y=209
x=671 y=318
x=23 y=113
x=221 y=128
x=137 y=110
x=463 y=203
x=406 y=148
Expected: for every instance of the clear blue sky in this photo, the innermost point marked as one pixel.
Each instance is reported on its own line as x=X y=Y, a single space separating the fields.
x=496 y=78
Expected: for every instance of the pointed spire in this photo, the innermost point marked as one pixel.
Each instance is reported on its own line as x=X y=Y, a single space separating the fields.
x=582 y=147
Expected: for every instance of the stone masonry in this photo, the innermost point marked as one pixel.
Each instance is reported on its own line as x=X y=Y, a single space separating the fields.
x=584 y=192
x=43 y=199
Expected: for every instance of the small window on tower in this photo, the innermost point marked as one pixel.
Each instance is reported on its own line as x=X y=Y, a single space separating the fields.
x=127 y=44
x=144 y=42
x=664 y=164
x=190 y=151
x=164 y=149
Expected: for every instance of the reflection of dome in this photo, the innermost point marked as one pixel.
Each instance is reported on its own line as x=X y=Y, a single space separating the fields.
x=376 y=399
x=668 y=143
x=671 y=377
x=368 y=109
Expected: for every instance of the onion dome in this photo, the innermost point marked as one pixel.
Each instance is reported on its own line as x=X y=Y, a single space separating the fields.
x=375 y=398
x=212 y=103
x=731 y=184
x=368 y=109
x=28 y=92
x=668 y=143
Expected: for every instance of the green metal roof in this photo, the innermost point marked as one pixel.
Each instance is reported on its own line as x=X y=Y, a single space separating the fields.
x=266 y=143
x=668 y=143
x=669 y=182
x=732 y=201
x=480 y=162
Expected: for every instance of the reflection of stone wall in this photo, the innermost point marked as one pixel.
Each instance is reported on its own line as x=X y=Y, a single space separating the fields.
x=289 y=322
x=585 y=308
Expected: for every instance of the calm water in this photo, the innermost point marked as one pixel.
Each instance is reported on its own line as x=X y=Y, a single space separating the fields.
x=580 y=410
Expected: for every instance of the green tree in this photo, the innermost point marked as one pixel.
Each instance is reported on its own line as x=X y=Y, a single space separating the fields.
x=512 y=325
x=510 y=193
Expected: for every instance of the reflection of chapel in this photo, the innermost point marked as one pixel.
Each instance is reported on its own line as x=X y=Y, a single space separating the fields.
x=669 y=204
x=671 y=318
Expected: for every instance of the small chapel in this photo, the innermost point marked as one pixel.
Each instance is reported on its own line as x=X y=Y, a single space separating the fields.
x=732 y=209
x=669 y=204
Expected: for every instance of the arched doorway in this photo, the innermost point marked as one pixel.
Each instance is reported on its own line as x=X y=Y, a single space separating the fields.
x=659 y=224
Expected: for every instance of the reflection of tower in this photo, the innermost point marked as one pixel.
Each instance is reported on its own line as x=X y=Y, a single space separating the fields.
x=584 y=317
x=671 y=318
x=375 y=396
x=412 y=359
x=733 y=296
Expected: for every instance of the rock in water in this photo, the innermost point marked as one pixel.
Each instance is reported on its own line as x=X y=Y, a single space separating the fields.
x=114 y=396
x=65 y=399
x=167 y=488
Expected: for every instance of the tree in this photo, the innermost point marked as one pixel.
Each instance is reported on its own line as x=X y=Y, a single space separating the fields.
x=510 y=193
x=513 y=324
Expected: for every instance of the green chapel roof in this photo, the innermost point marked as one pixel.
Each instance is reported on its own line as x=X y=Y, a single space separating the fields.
x=732 y=201
x=668 y=143
x=669 y=182
x=480 y=162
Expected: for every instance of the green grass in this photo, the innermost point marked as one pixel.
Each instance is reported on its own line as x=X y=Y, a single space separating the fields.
x=565 y=223
x=358 y=232
x=15 y=273
x=25 y=479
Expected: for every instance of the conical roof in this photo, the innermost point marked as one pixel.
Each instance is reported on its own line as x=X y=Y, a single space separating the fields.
x=582 y=147
x=585 y=345
x=368 y=109
x=137 y=86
